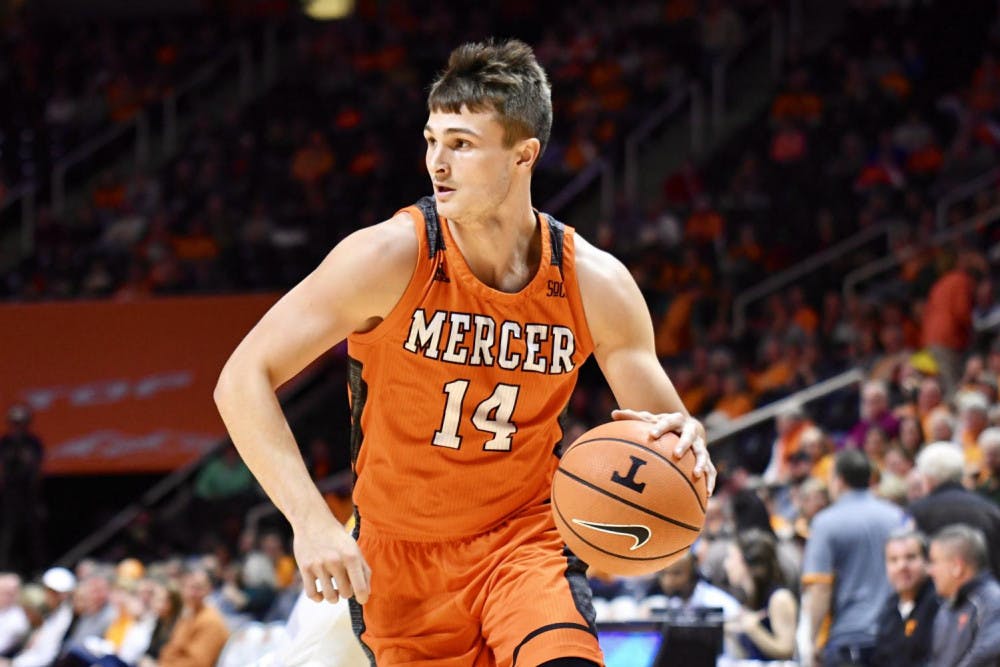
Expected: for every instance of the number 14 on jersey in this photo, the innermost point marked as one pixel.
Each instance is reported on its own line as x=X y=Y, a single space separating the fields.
x=493 y=416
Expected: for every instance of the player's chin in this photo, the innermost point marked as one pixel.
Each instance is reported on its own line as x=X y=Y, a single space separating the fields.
x=448 y=207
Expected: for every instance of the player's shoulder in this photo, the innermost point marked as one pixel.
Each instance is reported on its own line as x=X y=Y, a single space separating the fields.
x=600 y=274
x=387 y=246
x=594 y=263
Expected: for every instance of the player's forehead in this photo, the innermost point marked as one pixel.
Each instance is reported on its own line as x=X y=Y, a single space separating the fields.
x=483 y=123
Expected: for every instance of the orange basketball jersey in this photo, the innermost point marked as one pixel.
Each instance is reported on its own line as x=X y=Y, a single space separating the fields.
x=456 y=395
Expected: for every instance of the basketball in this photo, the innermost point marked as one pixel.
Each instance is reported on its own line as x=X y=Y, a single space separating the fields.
x=624 y=504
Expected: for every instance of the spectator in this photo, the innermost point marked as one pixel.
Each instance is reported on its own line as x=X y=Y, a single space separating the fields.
x=14 y=624
x=200 y=632
x=765 y=628
x=906 y=624
x=680 y=586
x=941 y=466
x=973 y=418
x=92 y=610
x=875 y=411
x=272 y=544
x=126 y=638
x=223 y=478
x=20 y=493
x=842 y=574
x=791 y=423
x=911 y=436
x=166 y=604
x=989 y=447
x=930 y=402
x=947 y=324
x=812 y=498
x=967 y=627
x=44 y=642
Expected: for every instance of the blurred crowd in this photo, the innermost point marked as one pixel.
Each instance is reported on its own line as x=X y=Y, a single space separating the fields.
x=171 y=613
x=65 y=80
x=259 y=193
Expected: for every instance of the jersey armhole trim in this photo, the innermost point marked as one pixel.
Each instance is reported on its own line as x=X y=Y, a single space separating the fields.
x=575 y=296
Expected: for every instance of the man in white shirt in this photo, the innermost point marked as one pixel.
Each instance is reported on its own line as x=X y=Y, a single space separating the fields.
x=682 y=588
x=43 y=645
x=13 y=621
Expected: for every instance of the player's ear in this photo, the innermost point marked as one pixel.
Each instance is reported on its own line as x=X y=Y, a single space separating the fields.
x=528 y=151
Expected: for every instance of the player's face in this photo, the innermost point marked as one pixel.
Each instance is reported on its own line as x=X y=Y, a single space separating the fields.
x=905 y=565
x=470 y=168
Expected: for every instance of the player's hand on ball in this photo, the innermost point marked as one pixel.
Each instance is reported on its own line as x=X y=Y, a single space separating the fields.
x=331 y=563
x=692 y=436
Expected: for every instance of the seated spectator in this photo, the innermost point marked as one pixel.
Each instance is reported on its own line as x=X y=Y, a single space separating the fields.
x=791 y=423
x=875 y=411
x=942 y=427
x=967 y=627
x=887 y=365
x=735 y=400
x=166 y=604
x=92 y=610
x=34 y=602
x=765 y=628
x=911 y=436
x=53 y=620
x=947 y=502
x=248 y=588
x=14 y=625
x=680 y=586
x=906 y=624
x=989 y=446
x=875 y=446
x=812 y=498
x=127 y=637
x=973 y=418
x=273 y=546
x=200 y=632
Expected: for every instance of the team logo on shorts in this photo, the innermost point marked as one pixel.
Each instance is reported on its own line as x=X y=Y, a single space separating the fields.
x=636 y=531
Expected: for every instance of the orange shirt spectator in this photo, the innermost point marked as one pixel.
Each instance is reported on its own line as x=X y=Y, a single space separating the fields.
x=735 y=401
x=806 y=319
x=313 y=161
x=109 y=195
x=705 y=225
x=196 y=246
x=788 y=145
x=948 y=311
x=673 y=333
x=776 y=375
x=799 y=106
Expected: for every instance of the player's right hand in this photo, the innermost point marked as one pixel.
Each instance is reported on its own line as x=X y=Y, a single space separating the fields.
x=330 y=562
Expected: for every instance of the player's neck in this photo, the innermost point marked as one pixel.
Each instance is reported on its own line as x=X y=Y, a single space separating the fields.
x=502 y=250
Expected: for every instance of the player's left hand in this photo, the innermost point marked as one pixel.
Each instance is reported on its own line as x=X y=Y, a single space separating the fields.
x=692 y=436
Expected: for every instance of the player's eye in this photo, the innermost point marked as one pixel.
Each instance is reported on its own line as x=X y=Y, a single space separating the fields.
x=462 y=143
x=430 y=141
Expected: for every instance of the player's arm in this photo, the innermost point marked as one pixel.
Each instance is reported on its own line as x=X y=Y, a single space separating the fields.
x=353 y=289
x=622 y=331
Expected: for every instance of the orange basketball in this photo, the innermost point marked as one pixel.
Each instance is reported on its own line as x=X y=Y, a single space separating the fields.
x=625 y=505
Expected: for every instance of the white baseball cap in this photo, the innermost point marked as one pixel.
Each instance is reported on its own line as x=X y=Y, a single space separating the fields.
x=59 y=579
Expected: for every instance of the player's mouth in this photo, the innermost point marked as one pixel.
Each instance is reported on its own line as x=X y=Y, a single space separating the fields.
x=443 y=192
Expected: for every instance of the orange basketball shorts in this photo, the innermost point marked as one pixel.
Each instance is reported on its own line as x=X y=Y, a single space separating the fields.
x=511 y=597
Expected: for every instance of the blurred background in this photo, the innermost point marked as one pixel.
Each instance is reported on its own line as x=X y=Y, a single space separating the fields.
x=806 y=192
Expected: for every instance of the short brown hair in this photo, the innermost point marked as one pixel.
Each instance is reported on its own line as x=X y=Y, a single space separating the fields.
x=504 y=77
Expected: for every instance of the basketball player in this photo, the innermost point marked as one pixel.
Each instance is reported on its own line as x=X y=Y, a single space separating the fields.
x=468 y=316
